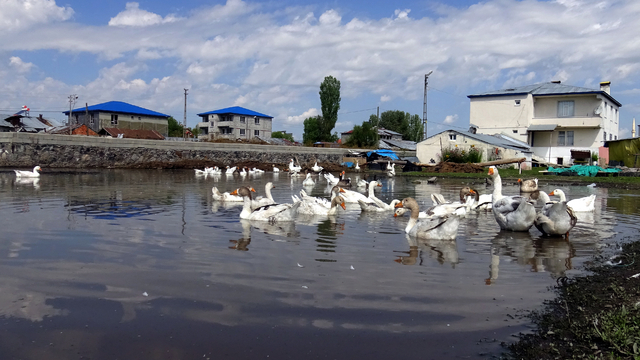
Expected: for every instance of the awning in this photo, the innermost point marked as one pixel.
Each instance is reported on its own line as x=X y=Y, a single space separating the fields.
x=542 y=127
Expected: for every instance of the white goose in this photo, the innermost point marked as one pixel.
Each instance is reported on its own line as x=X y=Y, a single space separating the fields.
x=513 y=213
x=293 y=167
x=230 y=171
x=555 y=218
x=353 y=197
x=308 y=181
x=357 y=168
x=314 y=208
x=258 y=171
x=28 y=174
x=335 y=191
x=377 y=205
x=392 y=172
x=460 y=208
x=583 y=204
x=266 y=200
x=316 y=168
x=243 y=172
x=436 y=227
x=276 y=170
x=271 y=213
x=401 y=211
x=227 y=197
x=331 y=180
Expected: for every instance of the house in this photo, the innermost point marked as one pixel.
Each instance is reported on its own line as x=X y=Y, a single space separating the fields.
x=491 y=147
x=234 y=123
x=77 y=129
x=23 y=122
x=553 y=118
x=131 y=134
x=383 y=134
x=118 y=114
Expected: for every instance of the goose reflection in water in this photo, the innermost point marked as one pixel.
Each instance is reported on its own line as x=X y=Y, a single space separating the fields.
x=35 y=182
x=285 y=228
x=443 y=251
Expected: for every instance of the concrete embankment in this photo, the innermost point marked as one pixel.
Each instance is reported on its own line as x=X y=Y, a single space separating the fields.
x=71 y=151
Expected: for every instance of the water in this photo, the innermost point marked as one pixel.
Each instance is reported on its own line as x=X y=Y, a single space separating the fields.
x=112 y=264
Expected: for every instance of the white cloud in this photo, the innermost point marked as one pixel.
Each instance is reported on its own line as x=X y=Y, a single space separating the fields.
x=19 y=65
x=134 y=16
x=450 y=119
x=402 y=14
x=330 y=18
x=20 y=14
x=298 y=119
x=385 y=98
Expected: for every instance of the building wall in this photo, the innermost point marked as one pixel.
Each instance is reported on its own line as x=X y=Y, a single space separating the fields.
x=213 y=124
x=102 y=120
x=431 y=148
x=500 y=114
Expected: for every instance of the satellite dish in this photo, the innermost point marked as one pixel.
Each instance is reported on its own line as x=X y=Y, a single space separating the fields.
x=598 y=110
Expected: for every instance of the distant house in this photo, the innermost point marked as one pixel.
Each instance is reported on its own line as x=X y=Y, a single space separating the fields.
x=492 y=147
x=556 y=120
x=78 y=129
x=121 y=115
x=383 y=134
x=23 y=122
x=234 y=123
x=131 y=134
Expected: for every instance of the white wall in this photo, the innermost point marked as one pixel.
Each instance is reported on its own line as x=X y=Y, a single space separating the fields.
x=499 y=114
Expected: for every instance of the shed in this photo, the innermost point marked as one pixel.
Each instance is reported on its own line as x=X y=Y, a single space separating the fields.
x=132 y=134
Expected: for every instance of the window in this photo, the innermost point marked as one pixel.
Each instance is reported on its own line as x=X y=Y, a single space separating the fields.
x=225 y=130
x=569 y=138
x=517 y=103
x=616 y=137
x=114 y=119
x=561 y=136
x=565 y=138
x=256 y=132
x=77 y=117
x=610 y=137
x=92 y=120
x=515 y=131
x=604 y=137
x=139 y=118
x=565 y=108
x=242 y=120
x=452 y=137
x=132 y=117
x=559 y=161
x=257 y=120
x=242 y=132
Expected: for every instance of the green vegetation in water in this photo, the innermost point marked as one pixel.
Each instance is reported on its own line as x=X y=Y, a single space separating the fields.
x=593 y=317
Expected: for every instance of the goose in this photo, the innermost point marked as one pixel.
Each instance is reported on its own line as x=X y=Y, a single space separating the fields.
x=513 y=213
x=388 y=165
x=377 y=207
x=362 y=183
x=392 y=172
x=271 y=213
x=351 y=196
x=216 y=170
x=251 y=171
x=357 y=168
x=227 y=197
x=308 y=181
x=342 y=182
x=332 y=180
x=436 y=227
x=461 y=208
x=482 y=202
x=293 y=167
x=555 y=218
x=201 y=172
x=29 y=174
x=530 y=185
x=243 y=172
x=335 y=191
x=276 y=170
x=314 y=208
x=264 y=200
x=230 y=170
x=584 y=204
x=401 y=211
x=258 y=171
x=316 y=168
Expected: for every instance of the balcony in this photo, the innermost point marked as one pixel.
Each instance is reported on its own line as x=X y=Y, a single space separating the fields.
x=592 y=122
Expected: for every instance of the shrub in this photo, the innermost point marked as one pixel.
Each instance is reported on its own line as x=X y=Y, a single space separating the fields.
x=458 y=155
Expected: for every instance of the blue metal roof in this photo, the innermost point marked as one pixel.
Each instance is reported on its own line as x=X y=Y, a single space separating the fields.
x=238 y=110
x=119 y=107
x=545 y=89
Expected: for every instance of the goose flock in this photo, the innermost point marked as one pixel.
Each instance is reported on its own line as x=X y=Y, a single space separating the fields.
x=439 y=221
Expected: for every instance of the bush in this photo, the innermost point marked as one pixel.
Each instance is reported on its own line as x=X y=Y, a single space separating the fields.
x=460 y=156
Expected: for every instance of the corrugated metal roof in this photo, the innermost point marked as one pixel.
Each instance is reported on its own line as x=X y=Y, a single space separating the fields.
x=134 y=134
x=239 y=110
x=542 y=127
x=399 y=144
x=545 y=89
x=492 y=140
x=119 y=107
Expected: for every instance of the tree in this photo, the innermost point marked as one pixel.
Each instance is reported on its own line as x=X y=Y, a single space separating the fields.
x=363 y=136
x=175 y=129
x=330 y=104
x=416 y=129
x=282 y=135
x=311 y=130
x=195 y=131
x=395 y=120
x=374 y=120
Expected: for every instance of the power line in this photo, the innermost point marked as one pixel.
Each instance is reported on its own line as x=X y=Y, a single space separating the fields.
x=355 y=111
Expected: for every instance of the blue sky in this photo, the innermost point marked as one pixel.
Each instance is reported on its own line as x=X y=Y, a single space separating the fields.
x=271 y=56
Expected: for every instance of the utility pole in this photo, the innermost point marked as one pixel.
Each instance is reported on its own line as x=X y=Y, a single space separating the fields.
x=184 y=123
x=72 y=103
x=424 y=106
x=377 y=127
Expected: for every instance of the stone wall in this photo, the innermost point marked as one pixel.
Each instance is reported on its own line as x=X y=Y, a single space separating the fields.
x=71 y=151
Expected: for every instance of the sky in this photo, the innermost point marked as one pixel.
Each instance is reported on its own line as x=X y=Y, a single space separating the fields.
x=271 y=56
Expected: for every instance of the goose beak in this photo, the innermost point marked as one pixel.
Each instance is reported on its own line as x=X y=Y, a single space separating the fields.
x=380 y=185
x=343 y=207
x=395 y=215
x=398 y=205
x=551 y=193
x=399 y=261
x=252 y=189
x=519 y=180
x=490 y=171
x=234 y=192
x=342 y=190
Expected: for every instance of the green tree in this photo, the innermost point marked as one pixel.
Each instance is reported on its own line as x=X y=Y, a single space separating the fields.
x=282 y=135
x=363 y=136
x=415 y=130
x=374 y=120
x=195 y=131
x=175 y=129
x=311 y=132
x=395 y=120
x=330 y=104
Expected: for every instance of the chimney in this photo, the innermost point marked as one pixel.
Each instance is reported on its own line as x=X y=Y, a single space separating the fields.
x=606 y=87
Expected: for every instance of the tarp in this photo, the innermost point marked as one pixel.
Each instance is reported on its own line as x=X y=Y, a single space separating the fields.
x=583 y=170
x=383 y=152
x=625 y=151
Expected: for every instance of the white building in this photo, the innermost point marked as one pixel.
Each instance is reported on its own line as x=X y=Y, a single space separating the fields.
x=234 y=123
x=552 y=118
x=492 y=147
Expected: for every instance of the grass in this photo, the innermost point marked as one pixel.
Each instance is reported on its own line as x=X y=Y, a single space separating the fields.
x=512 y=174
x=593 y=317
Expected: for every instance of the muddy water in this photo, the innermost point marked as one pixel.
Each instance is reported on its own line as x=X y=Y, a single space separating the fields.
x=144 y=265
